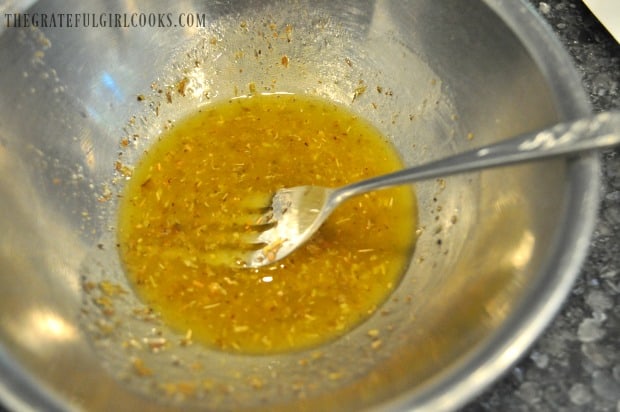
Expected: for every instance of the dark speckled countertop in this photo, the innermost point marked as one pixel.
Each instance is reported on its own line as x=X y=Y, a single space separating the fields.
x=575 y=365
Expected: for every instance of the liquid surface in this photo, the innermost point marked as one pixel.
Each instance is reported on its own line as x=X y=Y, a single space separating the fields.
x=185 y=211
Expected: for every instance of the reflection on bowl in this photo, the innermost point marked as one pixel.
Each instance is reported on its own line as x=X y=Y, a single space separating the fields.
x=496 y=253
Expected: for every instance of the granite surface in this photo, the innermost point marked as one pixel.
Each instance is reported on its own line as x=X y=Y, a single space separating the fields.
x=575 y=365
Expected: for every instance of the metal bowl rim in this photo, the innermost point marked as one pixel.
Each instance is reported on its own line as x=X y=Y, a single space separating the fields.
x=525 y=325
x=20 y=391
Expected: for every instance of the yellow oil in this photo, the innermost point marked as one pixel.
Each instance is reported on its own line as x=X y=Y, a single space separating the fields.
x=185 y=212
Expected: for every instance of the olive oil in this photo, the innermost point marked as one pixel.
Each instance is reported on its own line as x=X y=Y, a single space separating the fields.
x=188 y=208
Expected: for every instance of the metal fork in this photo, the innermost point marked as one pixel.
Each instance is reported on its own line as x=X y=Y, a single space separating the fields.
x=296 y=213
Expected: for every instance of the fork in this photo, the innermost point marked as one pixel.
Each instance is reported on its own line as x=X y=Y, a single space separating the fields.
x=296 y=213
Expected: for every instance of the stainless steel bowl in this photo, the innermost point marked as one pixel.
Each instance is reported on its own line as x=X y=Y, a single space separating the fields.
x=498 y=251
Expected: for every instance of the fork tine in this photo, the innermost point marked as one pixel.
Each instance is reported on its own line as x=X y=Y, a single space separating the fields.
x=247 y=216
x=259 y=228
x=268 y=236
x=230 y=239
x=257 y=201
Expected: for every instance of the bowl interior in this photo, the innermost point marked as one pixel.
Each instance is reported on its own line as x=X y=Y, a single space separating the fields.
x=437 y=78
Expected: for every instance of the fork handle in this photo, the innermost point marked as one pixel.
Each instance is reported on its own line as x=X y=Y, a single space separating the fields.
x=589 y=133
